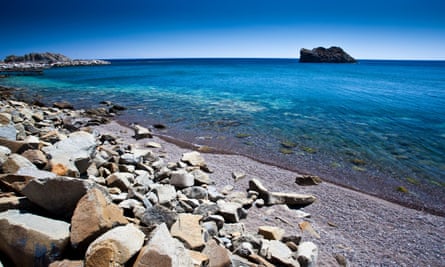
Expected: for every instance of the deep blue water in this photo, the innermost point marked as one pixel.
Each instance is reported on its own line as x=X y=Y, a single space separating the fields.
x=386 y=116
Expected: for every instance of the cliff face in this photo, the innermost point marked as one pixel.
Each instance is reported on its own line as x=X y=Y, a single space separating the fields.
x=322 y=55
x=46 y=58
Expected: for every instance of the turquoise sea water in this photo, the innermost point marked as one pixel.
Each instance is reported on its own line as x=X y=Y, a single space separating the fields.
x=372 y=126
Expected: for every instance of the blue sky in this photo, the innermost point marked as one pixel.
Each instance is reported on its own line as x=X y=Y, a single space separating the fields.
x=378 y=29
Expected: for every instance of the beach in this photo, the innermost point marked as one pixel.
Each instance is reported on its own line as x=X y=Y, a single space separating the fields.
x=367 y=230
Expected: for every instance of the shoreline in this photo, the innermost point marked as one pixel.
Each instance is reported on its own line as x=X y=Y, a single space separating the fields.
x=366 y=230
x=359 y=226
x=212 y=150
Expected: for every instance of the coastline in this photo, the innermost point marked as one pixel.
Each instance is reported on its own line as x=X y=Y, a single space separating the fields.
x=389 y=196
x=366 y=229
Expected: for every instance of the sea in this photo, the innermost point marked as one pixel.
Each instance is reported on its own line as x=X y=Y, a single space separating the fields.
x=377 y=126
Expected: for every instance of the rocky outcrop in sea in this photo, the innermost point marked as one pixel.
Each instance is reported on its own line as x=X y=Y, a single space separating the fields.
x=72 y=195
x=333 y=54
x=37 y=62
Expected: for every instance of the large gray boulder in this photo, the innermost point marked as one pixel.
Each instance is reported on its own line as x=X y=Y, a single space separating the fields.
x=57 y=195
x=71 y=152
x=322 y=55
x=31 y=240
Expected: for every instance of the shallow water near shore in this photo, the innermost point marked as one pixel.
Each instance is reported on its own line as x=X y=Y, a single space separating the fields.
x=375 y=126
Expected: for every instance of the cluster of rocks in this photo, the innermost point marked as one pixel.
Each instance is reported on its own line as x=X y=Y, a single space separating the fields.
x=333 y=54
x=71 y=196
x=41 y=61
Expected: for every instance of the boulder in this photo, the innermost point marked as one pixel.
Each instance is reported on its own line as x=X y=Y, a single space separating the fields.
x=8 y=131
x=17 y=146
x=57 y=195
x=322 y=55
x=307 y=254
x=15 y=182
x=162 y=250
x=115 y=247
x=218 y=255
x=36 y=157
x=188 y=229
x=15 y=162
x=78 y=147
x=93 y=216
x=31 y=240
x=181 y=179
x=201 y=177
x=10 y=202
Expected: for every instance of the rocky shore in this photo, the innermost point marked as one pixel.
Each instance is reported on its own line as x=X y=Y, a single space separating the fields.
x=38 y=62
x=79 y=189
x=72 y=194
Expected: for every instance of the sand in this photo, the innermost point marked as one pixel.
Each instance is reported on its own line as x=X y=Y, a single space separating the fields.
x=366 y=230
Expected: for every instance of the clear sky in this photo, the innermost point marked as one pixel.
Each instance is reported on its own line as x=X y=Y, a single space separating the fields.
x=368 y=29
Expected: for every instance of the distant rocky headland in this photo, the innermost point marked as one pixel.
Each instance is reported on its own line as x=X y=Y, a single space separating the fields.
x=37 y=62
x=333 y=54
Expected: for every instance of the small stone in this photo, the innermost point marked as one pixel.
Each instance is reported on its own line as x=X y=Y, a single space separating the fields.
x=201 y=177
x=165 y=193
x=307 y=254
x=120 y=180
x=231 y=211
x=271 y=232
x=162 y=250
x=278 y=253
x=115 y=247
x=307 y=180
x=238 y=175
x=141 y=132
x=157 y=215
x=195 y=192
x=341 y=260
x=188 y=229
x=63 y=105
x=182 y=179
x=218 y=255
x=194 y=158
x=153 y=145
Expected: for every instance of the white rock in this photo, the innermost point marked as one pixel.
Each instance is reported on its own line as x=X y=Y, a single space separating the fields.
x=307 y=254
x=115 y=247
x=181 y=179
